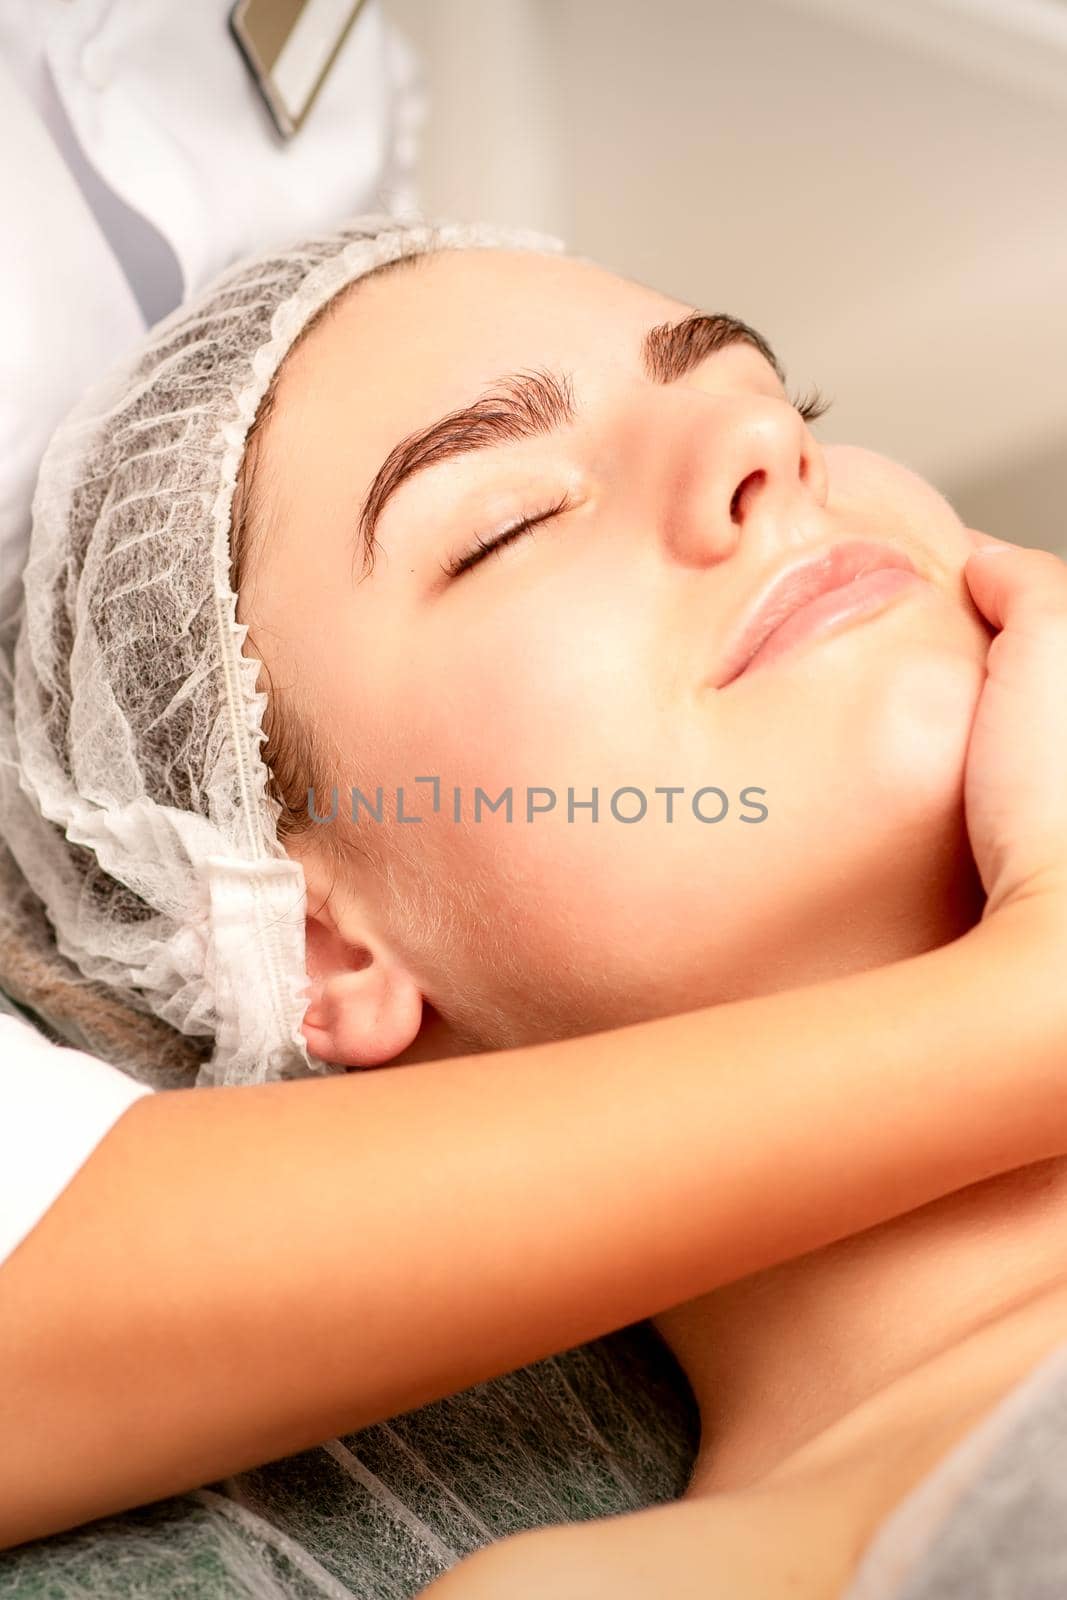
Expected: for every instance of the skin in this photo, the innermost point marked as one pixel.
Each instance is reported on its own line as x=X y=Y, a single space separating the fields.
x=581 y=655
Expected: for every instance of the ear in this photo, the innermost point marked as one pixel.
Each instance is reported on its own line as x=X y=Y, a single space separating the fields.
x=365 y=1007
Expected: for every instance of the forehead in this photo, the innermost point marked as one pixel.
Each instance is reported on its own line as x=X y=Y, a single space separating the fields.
x=405 y=347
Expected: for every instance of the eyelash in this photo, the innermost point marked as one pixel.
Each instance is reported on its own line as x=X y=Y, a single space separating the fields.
x=483 y=547
x=810 y=407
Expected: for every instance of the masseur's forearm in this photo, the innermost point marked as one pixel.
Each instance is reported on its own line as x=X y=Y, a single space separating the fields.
x=239 y=1273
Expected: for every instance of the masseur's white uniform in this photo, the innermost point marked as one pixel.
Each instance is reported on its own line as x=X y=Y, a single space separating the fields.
x=142 y=162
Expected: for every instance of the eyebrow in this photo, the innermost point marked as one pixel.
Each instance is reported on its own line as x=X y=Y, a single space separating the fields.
x=525 y=405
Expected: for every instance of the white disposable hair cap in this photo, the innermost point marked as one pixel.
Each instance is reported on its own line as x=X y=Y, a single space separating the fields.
x=133 y=793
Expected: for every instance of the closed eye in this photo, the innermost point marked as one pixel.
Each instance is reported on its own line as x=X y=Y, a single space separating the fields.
x=810 y=406
x=483 y=546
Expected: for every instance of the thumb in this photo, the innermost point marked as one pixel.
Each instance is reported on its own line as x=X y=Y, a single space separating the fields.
x=986 y=541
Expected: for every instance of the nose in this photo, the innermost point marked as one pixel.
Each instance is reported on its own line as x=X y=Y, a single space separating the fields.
x=753 y=468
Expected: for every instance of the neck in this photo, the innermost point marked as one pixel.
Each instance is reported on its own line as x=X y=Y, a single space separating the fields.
x=778 y=1358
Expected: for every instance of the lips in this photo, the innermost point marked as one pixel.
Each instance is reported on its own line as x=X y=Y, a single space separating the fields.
x=831 y=570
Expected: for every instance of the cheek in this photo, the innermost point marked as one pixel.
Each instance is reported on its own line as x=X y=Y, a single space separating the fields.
x=917 y=748
x=920 y=682
x=562 y=698
x=549 y=688
x=871 y=494
x=867 y=738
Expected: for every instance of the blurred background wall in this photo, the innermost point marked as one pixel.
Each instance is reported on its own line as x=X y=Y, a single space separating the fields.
x=879 y=185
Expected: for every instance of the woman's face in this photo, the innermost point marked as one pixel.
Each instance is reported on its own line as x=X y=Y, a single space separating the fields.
x=586 y=656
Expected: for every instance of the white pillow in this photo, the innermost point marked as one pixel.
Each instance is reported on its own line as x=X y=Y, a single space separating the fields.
x=56 y=1104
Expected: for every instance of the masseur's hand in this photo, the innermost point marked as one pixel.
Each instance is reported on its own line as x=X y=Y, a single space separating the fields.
x=1015 y=789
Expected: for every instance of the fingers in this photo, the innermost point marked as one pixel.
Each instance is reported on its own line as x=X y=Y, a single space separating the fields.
x=1015 y=584
x=987 y=541
x=1016 y=775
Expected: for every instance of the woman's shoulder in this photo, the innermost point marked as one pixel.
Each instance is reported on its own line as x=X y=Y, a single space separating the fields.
x=802 y=1532
x=787 y=1543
